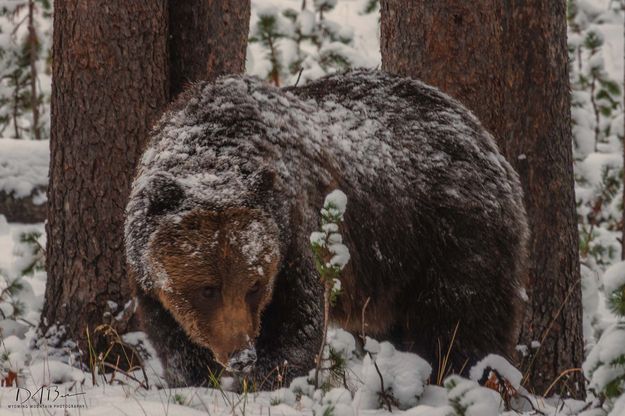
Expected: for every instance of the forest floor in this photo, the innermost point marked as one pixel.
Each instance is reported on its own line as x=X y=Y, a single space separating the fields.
x=86 y=393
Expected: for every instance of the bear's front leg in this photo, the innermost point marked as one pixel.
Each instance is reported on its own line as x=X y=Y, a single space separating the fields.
x=292 y=324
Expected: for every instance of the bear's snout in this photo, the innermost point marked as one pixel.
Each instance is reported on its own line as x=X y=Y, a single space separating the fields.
x=232 y=342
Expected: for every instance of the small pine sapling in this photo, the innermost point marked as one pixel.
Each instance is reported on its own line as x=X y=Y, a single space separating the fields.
x=23 y=55
x=267 y=32
x=596 y=109
x=14 y=289
x=605 y=365
x=31 y=258
x=616 y=301
x=467 y=398
x=604 y=92
x=371 y=6
x=302 y=44
x=10 y=305
x=12 y=361
x=179 y=399
x=331 y=256
x=32 y=253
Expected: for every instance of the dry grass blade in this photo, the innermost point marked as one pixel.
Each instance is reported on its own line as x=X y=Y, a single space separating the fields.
x=443 y=365
x=560 y=376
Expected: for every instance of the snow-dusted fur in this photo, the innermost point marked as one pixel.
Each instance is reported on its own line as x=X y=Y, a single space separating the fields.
x=435 y=221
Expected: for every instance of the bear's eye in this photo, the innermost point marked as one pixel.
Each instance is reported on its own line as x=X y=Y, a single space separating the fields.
x=255 y=288
x=209 y=292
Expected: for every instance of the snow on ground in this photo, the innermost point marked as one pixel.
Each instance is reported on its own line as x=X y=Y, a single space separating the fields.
x=593 y=164
x=56 y=388
x=15 y=256
x=23 y=166
x=69 y=391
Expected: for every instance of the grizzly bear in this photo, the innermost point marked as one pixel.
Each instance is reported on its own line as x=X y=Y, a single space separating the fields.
x=229 y=190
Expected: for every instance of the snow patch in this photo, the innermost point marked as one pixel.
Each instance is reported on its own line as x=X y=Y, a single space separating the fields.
x=501 y=366
x=614 y=278
x=23 y=166
x=405 y=376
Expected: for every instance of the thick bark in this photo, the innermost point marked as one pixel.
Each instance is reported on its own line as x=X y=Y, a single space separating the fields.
x=115 y=69
x=452 y=44
x=537 y=134
x=507 y=62
x=109 y=83
x=208 y=38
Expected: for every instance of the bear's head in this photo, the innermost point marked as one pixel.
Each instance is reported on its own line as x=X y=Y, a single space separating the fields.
x=219 y=269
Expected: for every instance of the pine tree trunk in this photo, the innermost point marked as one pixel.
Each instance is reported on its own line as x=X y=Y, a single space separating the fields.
x=109 y=85
x=623 y=196
x=452 y=44
x=32 y=56
x=507 y=62
x=538 y=135
x=196 y=53
x=115 y=68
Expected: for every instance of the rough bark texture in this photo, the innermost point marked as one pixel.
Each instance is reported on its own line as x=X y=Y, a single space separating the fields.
x=536 y=137
x=451 y=44
x=208 y=38
x=507 y=61
x=110 y=83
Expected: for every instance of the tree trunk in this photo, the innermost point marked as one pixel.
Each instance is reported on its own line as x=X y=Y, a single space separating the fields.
x=109 y=85
x=452 y=44
x=623 y=195
x=507 y=62
x=115 y=68
x=33 y=46
x=208 y=38
x=537 y=139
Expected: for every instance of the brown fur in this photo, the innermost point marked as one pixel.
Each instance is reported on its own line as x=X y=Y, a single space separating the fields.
x=435 y=223
x=214 y=293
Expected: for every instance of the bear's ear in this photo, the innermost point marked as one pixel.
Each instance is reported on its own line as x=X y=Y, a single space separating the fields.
x=263 y=180
x=164 y=195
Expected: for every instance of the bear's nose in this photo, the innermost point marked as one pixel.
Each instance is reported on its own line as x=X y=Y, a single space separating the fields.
x=242 y=361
